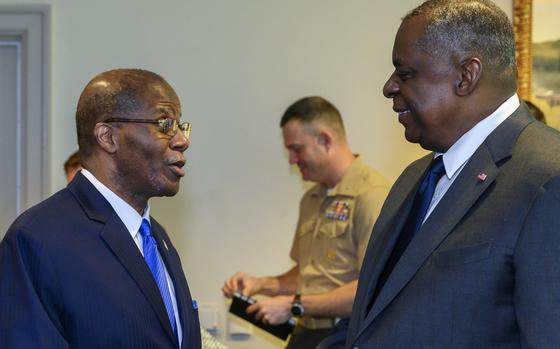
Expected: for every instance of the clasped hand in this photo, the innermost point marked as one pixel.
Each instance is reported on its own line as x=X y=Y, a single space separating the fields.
x=274 y=310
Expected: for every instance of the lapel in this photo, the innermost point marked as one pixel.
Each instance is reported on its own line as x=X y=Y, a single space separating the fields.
x=455 y=204
x=116 y=236
x=387 y=228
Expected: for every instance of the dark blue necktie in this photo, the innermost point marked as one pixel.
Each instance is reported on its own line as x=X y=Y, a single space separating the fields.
x=155 y=263
x=414 y=221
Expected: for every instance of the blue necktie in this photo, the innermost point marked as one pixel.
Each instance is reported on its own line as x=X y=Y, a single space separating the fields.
x=414 y=221
x=155 y=263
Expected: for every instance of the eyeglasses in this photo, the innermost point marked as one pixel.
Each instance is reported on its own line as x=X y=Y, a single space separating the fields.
x=167 y=126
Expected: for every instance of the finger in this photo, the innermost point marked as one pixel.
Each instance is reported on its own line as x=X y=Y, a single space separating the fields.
x=259 y=315
x=227 y=292
x=232 y=283
x=253 y=308
x=276 y=320
x=239 y=285
x=246 y=288
x=227 y=288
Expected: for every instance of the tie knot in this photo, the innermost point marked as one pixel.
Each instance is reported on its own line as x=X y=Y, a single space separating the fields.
x=437 y=167
x=145 y=229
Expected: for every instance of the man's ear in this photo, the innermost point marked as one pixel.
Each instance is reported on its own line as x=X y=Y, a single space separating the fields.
x=325 y=139
x=105 y=137
x=471 y=70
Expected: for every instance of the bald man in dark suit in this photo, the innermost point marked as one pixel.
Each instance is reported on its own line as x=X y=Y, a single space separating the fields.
x=89 y=267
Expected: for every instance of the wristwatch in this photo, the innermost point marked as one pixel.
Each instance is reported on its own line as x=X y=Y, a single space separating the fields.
x=297 y=308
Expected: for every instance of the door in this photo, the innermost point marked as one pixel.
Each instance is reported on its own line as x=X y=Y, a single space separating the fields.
x=10 y=133
x=24 y=108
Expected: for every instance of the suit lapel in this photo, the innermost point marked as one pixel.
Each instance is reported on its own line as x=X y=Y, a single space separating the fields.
x=455 y=204
x=384 y=241
x=116 y=236
x=130 y=257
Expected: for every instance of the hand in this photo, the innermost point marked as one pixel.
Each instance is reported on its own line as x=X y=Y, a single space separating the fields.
x=246 y=284
x=274 y=311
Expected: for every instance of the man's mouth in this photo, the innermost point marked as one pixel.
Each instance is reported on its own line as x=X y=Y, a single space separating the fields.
x=402 y=112
x=176 y=166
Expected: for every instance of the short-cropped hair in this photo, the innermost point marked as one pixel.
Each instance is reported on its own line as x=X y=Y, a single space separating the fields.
x=475 y=28
x=315 y=109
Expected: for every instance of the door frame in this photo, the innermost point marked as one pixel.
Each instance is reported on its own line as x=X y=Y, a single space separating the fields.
x=30 y=25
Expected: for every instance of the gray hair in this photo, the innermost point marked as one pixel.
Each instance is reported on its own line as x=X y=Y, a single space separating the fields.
x=475 y=28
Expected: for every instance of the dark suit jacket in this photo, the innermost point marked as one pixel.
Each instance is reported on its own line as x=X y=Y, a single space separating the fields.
x=72 y=276
x=484 y=269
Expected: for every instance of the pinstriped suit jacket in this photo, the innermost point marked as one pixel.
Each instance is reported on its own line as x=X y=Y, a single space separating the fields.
x=71 y=276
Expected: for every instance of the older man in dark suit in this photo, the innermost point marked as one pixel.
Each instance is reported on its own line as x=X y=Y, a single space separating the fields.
x=466 y=250
x=88 y=267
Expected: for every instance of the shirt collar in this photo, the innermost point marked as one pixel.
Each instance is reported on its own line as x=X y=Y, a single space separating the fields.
x=348 y=184
x=464 y=147
x=128 y=215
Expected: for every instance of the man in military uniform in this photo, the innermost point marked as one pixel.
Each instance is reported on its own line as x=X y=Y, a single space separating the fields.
x=335 y=223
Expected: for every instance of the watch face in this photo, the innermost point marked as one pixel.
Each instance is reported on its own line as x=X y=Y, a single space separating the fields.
x=297 y=309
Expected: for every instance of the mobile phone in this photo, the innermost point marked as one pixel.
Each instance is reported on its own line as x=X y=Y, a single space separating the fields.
x=238 y=307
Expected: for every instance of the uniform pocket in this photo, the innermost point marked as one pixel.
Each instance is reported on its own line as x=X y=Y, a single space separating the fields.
x=333 y=228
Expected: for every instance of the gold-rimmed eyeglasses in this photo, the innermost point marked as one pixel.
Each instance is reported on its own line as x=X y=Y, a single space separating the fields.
x=167 y=126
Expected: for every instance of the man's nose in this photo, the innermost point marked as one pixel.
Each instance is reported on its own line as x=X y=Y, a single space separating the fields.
x=391 y=87
x=179 y=142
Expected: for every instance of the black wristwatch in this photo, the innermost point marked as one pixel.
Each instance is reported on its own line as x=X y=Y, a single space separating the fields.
x=297 y=308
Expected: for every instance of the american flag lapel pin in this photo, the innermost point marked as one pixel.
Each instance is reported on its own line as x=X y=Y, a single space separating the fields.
x=482 y=176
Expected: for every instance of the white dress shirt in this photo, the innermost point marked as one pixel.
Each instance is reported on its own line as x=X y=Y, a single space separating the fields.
x=461 y=151
x=132 y=221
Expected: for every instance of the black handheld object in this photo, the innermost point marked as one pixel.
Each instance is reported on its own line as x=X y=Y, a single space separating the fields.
x=240 y=303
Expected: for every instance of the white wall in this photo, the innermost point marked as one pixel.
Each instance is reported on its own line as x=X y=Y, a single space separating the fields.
x=236 y=66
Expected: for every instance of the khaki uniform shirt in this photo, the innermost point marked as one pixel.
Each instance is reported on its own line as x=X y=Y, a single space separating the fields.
x=334 y=228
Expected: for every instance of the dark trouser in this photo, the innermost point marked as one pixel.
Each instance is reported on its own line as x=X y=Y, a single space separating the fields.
x=302 y=338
